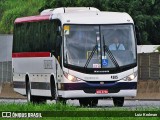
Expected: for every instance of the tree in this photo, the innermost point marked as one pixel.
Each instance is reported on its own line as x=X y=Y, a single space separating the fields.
x=145 y=13
x=158 y=48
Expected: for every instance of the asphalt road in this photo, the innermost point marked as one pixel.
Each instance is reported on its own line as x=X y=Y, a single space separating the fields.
x=101 y=103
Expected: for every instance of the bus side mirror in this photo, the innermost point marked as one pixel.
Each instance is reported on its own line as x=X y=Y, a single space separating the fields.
x=138 y=35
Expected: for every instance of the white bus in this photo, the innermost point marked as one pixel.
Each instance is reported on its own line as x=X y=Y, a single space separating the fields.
x=75 y=53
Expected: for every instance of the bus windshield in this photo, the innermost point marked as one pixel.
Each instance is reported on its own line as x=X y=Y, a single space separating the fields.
x=99 y=46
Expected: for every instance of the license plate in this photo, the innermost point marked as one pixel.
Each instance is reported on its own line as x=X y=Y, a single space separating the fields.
x=101 y=91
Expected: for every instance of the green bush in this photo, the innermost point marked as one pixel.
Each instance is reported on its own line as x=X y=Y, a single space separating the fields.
x=7 y=21
x=158 y=48
x=13 y=9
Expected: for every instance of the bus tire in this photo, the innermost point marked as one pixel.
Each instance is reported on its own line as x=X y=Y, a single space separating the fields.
x=33 y=99
x=93 y=102
x=118 y=101
x=84 y=102
x=28 y=92
x=53 y=88
x=54 y=92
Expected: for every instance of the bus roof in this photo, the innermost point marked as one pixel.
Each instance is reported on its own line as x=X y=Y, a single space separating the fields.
x=79 y=15
x=67 y=10
x=93 y=17
x=32 y=19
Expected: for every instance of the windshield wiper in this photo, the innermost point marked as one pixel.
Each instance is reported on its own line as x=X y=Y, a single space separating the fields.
x=91 y=55
x=105 y=48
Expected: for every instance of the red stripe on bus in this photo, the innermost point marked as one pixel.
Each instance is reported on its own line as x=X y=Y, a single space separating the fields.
x=31 y=54
x=32 y=19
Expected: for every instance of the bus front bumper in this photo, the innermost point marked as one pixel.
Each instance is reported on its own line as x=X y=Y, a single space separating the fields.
x=73 y=94
x=114 y=89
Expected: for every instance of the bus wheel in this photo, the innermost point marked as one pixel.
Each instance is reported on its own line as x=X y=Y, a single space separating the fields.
x=93 y=102
x=118 y=101
x=83 y=102
x=33 y=99
x=53 y=88
x=28 y=93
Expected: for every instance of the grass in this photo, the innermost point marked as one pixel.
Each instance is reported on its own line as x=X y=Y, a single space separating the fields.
x=74 y=111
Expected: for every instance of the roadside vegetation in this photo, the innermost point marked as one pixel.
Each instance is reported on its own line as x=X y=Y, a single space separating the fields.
x=11 y=9
x=158 y=48
x=53 y=108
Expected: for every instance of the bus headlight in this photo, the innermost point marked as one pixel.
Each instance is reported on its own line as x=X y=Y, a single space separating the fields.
x=130 y=77
x=71 y=77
